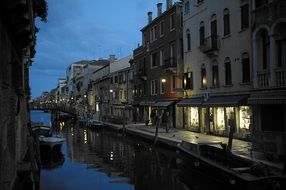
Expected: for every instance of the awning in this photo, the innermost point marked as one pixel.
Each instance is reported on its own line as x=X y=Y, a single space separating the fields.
x=226 y=100
x=267 y=100
x=147 y=103
x=162 y=104
x=189 y=102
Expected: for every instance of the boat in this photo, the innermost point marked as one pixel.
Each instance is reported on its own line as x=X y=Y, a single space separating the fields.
x=94 y=124
x=214 y=161
x=46 y=138
x=40 y=129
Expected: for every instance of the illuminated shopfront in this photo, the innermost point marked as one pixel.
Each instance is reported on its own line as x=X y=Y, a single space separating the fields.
x=192 y=118
x=244 y=118
x=220 y=121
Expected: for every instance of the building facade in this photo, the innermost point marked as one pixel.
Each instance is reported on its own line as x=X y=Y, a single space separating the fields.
x=17 y=44
x=119 y=90
x=268 y=98
x=217 y=67
x=158 y=64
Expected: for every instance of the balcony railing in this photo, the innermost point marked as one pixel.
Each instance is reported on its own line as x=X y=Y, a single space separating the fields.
x=210 y=44
x=170 y=63
x=263 y=78
x=280 y=74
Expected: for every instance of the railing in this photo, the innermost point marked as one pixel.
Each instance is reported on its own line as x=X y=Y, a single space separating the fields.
x=170 y=63
x=67 y=108
x=280 y=74
x=263 y=78
x=210 y=44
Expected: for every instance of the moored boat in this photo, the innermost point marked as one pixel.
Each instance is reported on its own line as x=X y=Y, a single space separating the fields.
x=212 y=160
x=95 y=124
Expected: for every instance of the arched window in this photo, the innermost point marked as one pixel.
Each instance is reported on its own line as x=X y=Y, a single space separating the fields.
x=188 y=39
x=265 y=49
x=227 y=67
x=202 y=34
x=214 y=32
x=245 y=68
x=215 y=74
x=226 y=22
x=204 y=76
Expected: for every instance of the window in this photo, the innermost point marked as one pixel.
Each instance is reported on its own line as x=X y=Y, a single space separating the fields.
x=188 y=80
x=245 y=68
x=153 y=87
x=174 y=82
x=172 y=51
x=162 y=28
x=244 y=16
x=155 y=32
x=226 y=22
x=161 y=57
x=202 y=34
x=227 y=67
x=281 y=52
x=111 y=80
x=215 y=76
x=204 y=76
x=125 y=94
x=266 y=49
x=151 y=35
x=187 y=7
x=153 y=60
x=260 y=3
x=200 y=1
x=188 y=40
x=162 y=87
x=172 y=21
x=123 y=77
x=115 y=79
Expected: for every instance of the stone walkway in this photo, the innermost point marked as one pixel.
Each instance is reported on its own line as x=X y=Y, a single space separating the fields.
x=240 y=147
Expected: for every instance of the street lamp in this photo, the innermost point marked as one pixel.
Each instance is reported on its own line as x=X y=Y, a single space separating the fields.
x=163 y=80
x=110 y=90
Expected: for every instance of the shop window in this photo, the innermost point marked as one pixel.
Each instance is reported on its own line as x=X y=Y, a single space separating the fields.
x=194 y=116
x=244 y=117
x=220 y=123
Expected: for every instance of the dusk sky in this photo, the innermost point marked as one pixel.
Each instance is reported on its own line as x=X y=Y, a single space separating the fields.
x=86 y=29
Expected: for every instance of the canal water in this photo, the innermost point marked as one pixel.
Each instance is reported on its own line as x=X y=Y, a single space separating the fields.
x=107 y=160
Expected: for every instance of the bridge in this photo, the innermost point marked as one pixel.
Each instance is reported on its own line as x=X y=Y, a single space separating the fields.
x=61 y=107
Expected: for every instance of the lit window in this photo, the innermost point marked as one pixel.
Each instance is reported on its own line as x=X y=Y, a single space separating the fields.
x=244 y=117
x=220 y=119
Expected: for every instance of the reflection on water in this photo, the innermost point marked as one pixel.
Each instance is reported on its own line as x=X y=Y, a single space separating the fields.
x=107 y=160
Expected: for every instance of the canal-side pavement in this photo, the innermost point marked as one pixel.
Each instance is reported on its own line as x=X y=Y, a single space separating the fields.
x=175 y=136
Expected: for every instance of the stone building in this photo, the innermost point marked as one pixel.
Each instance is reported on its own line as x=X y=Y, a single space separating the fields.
x=17 y=45
x=158 y=63
x=268 y=98
x=217 y=67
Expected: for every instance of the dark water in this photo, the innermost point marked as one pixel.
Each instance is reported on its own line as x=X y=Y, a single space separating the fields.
x=106 y=160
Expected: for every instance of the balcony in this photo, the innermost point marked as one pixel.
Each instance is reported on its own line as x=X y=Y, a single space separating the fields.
x=170 y=64
x=211 y=45
x=280 y=74
x=269 y=12
x=263 y=78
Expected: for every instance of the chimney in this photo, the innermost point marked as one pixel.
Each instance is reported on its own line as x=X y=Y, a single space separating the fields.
x=169 y=4
x=149 y=17
x=159 y=7
x=112 y=58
